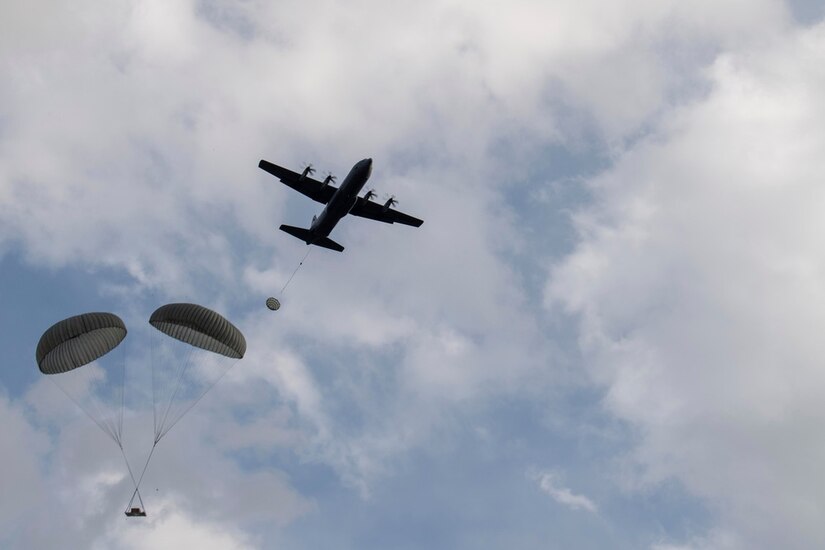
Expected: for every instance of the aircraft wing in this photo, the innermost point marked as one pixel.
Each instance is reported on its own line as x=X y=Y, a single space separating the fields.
x=312 y=188
x=374 y=211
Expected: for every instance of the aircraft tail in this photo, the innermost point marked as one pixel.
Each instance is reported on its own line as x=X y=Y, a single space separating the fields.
x=306 y=236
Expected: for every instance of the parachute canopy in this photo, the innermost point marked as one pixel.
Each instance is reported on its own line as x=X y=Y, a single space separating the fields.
x=78 y=340
x=273 y=303
x=200 y=327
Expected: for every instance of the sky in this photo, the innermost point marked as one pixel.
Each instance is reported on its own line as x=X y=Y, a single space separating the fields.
x=606 y=333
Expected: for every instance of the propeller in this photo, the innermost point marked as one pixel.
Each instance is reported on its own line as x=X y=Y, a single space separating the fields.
x=370 y=194
x=329 y=179
x=391 y=201
x=308 y=170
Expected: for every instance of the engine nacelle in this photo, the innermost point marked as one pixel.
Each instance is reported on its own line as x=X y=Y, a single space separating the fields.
x=309 y=170
x=389 y=204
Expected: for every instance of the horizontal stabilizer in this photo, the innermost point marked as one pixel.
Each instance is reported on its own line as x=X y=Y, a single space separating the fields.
x=307 y=237
x=299 y=232
x=326 y=242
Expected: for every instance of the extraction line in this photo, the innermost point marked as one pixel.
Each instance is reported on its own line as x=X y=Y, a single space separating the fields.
x=296 y=270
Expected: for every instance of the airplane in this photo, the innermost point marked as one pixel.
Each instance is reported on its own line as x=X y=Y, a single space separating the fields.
x=339 y=202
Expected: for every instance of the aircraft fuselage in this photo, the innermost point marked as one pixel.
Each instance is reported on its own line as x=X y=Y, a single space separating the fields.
x=342 y=201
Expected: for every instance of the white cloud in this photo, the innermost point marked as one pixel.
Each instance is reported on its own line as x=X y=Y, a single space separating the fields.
x=129 y=139
x=71 y=490
x=158 y=118
x=698 y=285
x=549 y=483
x=174 y=528
x=716 y=540
x=22 y=485
x=135 y=147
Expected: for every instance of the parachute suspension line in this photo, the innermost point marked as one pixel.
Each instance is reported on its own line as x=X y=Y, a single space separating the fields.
x=132 y=500
x=105 y=419
x=159 y=399
x=165 y=431
x=122 y=394
x=152 y=338
x=109 y=419
x=140 y=479
x=296 y=270
x=104 y=427
x=102 y=410
x=132 y=475
x=182 y=370
x=128 y=465
x=196 y=401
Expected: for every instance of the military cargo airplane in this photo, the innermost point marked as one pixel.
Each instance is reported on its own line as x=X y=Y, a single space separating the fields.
x=339 y=201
